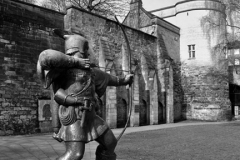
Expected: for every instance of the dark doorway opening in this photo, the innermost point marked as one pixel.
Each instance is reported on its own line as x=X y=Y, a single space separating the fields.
x=121 y=113
x=160 y=113
x=143 y=113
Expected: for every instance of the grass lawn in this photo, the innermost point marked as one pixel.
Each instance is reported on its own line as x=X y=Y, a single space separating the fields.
x=203 y=142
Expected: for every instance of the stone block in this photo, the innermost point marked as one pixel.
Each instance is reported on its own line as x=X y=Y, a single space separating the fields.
x=6 y=104
x=136 y=97
x=23 y=116
x=135 y=121
x=2 y=133
x=4 y=41
x=45 y=126
x=9 y=132
x=34 y=112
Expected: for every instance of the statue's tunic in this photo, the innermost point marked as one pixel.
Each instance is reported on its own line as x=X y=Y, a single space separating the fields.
x=83 y=84
x=61 y=71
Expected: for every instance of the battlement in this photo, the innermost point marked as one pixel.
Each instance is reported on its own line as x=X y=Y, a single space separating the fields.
x=189 y=5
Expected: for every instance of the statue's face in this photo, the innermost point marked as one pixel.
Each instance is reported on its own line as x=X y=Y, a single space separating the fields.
x=76 y=45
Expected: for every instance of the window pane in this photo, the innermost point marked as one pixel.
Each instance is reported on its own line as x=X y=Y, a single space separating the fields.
x=190 y=54
x=193 y=54
x=189 y=47
x=236 y=61
x=193 y=47
x=236 y=51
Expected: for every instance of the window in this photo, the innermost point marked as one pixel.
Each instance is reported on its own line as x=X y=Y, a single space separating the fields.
x=236 y=51
x=236 y=62
x=191 y=51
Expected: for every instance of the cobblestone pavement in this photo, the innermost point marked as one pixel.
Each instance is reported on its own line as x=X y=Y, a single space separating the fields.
x=37 y=147
x=44 y=147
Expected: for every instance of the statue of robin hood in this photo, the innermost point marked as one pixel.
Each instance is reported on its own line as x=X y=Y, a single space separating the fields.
x=76 y=86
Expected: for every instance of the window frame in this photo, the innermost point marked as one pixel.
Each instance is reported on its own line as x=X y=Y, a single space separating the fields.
x=192 y=51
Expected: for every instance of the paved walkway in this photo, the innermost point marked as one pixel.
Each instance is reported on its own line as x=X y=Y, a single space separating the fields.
x=44 y=147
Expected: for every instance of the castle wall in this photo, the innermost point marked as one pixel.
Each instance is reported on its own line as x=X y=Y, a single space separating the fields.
x=185 y=6
x=209 y=98
x=204 y=80
x=168 y=35
x=24 y=33
x=192 y=33
x=169 y=49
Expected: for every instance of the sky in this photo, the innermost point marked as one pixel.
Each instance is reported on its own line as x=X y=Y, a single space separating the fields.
x=156 y=4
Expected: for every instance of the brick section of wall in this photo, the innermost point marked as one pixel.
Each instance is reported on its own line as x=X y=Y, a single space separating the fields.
x=25 y=31
x=206 y=94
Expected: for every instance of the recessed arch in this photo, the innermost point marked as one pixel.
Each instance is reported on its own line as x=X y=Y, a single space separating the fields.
x=143 y=113
x=121 y=113
x=160 y=113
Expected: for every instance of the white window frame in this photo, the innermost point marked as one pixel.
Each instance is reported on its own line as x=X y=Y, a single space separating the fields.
x=192 y=51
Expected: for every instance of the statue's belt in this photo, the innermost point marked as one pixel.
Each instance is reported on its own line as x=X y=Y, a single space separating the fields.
x=87 y=103
x=71 y=114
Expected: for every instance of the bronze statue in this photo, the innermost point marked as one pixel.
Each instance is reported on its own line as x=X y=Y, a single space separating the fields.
x=77 y=86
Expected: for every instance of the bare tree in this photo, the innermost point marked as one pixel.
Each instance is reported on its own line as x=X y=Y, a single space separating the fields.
x=57 y=5
x=229 y=42
x=230 y=23
x=107 y=8
x=232 y=19
x=104 y=7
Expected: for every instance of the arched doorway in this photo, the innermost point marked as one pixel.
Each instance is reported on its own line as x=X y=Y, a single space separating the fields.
x=143 y=113
x=121 y=113
x=160 y=113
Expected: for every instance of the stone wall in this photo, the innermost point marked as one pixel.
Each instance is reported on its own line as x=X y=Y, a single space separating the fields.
x=167 y=72
x=206 y=94
x=25 y=31
x=203 y=77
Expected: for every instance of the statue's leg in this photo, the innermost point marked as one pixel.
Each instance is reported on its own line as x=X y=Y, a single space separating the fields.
x=74 y=151
x=107 y=143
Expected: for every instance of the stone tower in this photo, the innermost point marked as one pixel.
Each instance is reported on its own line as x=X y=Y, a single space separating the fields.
x=204 y=81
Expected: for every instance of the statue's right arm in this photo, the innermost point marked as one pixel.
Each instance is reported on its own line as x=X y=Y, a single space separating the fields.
x=51 y=59
x=52 y=63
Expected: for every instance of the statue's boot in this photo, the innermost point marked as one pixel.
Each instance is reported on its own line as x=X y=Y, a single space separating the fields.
x=104 y=155
x=57 y=137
